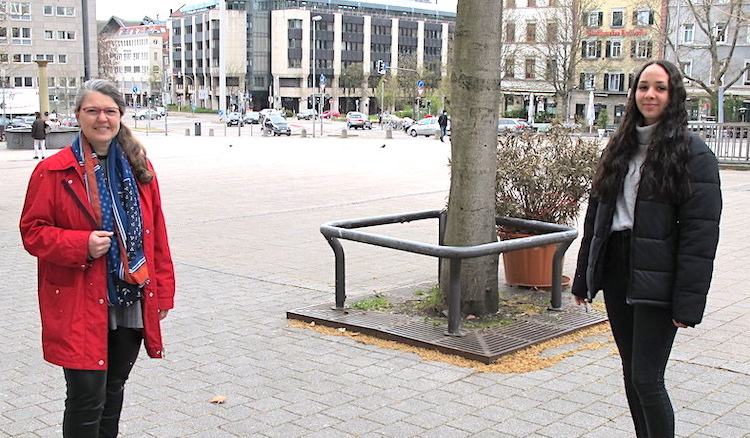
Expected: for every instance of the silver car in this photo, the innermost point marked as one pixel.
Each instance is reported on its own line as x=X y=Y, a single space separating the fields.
x=426 y=127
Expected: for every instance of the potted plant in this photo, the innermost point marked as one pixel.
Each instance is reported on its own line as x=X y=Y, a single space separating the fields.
x=543 y=177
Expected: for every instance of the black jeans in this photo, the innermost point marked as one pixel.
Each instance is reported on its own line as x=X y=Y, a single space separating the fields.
x=94 y=398
x=644 y=337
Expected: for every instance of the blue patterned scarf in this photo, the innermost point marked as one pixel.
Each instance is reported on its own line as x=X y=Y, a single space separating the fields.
x=117 y=207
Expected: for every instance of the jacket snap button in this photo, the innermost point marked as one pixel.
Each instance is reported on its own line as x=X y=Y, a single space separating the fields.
x=70 y=181
x=101 y=362
x=148 y=231
x=101 y=300
x=150 y=294
x=57 y=291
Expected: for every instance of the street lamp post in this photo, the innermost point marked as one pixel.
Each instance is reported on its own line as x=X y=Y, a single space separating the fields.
x=313 y=20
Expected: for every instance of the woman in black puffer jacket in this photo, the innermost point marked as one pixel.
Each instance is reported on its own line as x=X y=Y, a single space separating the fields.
x=650 y=237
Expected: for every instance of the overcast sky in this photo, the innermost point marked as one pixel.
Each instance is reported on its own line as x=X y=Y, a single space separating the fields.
x=137 y=9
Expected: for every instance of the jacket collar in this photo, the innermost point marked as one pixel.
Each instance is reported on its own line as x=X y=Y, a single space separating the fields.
x=65 y=159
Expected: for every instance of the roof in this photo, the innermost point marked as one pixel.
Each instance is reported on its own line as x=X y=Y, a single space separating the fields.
x=388 y=5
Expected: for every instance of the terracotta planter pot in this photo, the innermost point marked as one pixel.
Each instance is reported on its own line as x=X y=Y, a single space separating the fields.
x=530 y=267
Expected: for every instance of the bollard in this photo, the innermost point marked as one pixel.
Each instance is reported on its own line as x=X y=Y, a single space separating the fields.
x=187 y=132
x=437 y=134
x=210 y=132
x=344 y=132
x=303 y=133
x=388 y=133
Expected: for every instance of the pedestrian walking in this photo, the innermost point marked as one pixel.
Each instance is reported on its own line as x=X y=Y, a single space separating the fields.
x=39 y=134
x=650 y=237
x=443 y=123
x=93 y=219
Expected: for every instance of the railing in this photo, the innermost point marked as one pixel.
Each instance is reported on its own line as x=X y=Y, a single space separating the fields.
x=561 y=235
x=728 y=141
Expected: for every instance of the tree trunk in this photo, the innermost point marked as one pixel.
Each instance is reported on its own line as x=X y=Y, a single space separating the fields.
x=475 y=77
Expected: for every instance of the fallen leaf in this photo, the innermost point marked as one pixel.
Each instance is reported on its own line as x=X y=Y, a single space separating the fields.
x=219 y=399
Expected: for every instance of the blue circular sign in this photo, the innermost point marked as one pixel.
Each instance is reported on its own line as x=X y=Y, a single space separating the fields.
x=135 y=89
x=323 y=79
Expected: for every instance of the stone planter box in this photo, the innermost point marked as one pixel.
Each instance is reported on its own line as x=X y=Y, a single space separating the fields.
x=20 y=138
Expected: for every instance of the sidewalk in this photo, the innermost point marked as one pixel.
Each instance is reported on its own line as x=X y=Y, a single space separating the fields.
x=243 y=222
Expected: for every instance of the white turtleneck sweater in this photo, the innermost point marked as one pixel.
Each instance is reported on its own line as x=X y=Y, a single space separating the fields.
x=625 y=206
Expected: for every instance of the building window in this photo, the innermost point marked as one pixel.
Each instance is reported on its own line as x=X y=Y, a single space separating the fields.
x=618 y=18
x=294 y=63
x=510 y=33
x=66 y=35
x=295 y=23
x=353 y=27
x=510 y=67
x=21 y=35
x=48 y=10
x=594 y=18
x=552 y=32
x=49 y=35
x=531 y=3
x=62 y=59
x=688 y=32
x=65 y=11
x=720 y=32
x=746 y=76
x=531 y=32
x=587 y=81
x=642 y=49
x=4 y=35
x=295 y=43
x=20 y=11
x=643 y=17
x=614 y=81
x=551 y=71
x=614 y=49
x=591 y=49
x=529 y=68
x=352 y=46
x=686 y=67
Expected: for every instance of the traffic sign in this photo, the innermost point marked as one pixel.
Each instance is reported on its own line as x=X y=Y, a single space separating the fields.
x=135 y=90
x=420 y=83
x=323 y=79
x=221 y=112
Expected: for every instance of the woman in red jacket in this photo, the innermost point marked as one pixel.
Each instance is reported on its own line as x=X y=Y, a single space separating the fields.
x=93 y=218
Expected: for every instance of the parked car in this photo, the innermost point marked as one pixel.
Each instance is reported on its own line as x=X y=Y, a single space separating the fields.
x=252 y=117
x=161 y=110
x=307 y=114
x=390 y=120
x=277 y=125
x=357 y=121
x=272 y=112
x=426 y=127
x=148 y=113
x=71 y=122
x=234 y=119
x=329 y=114
x=505 y=126
x=22 y=122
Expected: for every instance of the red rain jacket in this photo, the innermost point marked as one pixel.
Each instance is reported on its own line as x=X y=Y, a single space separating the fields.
x=55 y=225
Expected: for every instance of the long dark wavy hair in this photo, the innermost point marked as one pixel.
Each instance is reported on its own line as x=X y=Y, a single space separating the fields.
x=665 y=168
x=134 y=150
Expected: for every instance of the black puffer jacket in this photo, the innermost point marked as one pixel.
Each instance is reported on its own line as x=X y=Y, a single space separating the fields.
x=673 y=244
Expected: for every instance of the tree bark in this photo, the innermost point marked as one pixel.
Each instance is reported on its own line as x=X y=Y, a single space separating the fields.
x=475 y=77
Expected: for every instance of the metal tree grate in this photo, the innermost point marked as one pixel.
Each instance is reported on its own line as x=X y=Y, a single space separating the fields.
x=485 y=346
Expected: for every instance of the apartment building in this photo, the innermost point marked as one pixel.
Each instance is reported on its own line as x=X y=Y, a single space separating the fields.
x=693 y=36
x=618 y=38
x=139 y=57
x=60 y=32
x=208 y=56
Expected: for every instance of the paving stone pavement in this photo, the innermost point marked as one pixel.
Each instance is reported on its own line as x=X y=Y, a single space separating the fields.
x=243 y=216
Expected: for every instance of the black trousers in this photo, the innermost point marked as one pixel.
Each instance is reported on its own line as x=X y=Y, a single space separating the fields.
x=94 y=398
x=644 y=336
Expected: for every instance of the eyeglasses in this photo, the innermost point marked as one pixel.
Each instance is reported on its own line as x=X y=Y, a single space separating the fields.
x=93 y=111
